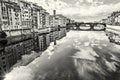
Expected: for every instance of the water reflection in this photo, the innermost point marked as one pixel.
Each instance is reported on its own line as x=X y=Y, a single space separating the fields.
x=79 y=56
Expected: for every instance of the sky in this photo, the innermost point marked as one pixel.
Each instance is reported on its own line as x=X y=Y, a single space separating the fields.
x=81 y=10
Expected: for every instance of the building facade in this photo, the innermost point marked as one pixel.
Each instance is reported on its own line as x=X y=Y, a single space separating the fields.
x=35 y=15
x=14 y=19
x=4 y=15
x=42 y=18
x=58 y=20
x=26 y=16
x=47 y=19
x=113 y=19
x=18 y=19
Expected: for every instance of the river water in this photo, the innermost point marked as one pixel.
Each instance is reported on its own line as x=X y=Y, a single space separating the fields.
x=81 y=55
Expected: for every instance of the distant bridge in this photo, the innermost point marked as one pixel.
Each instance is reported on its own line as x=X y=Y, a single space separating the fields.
x=87 y=26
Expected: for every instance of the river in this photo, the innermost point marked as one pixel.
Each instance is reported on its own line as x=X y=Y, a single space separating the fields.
x=81 y=55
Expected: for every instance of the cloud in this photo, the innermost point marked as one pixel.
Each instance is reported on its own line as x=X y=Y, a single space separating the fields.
x=90 y=1
x=50 y=5
x=81 y=8
x=81 y=1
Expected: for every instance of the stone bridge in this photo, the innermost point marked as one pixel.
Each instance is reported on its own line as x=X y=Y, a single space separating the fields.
x=87 y=26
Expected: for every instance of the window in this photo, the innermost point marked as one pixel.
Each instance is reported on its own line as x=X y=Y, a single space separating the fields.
x=16 y=14
x=4 y=67
x=3 y=58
